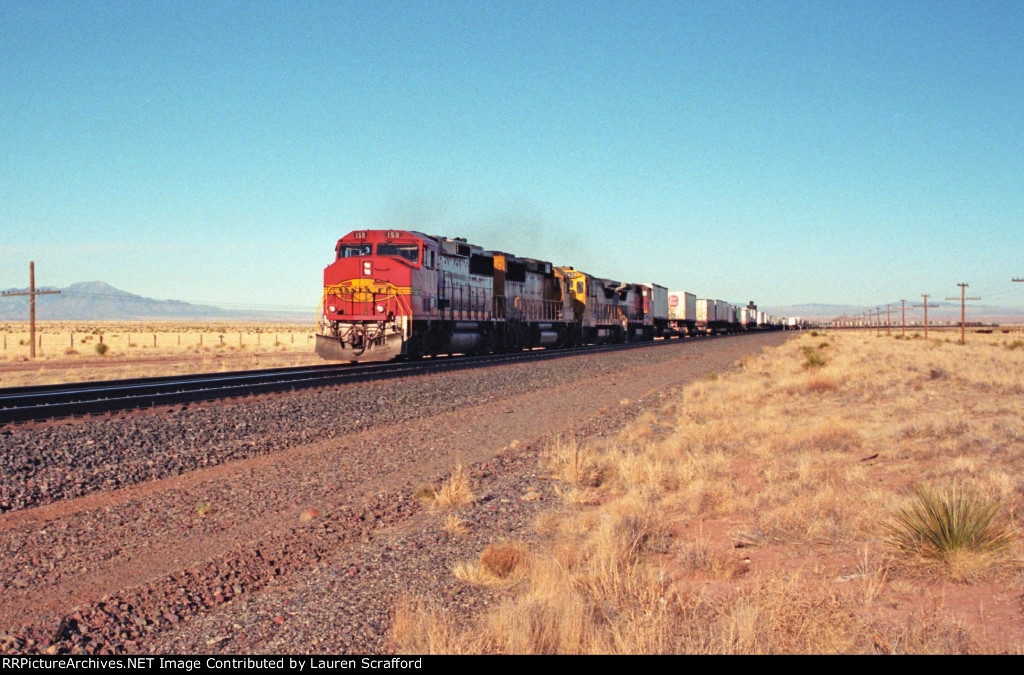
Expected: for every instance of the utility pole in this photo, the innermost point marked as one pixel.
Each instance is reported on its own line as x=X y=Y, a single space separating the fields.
x=888 y=320
x=903 y=310
x=32 y=293
x=925 y=296
x=963 y=302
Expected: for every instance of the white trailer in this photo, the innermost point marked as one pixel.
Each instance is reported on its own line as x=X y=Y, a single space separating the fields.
x=707 y=315
x=682 y=312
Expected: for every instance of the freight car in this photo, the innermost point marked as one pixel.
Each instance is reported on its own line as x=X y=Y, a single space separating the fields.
x=682 y=312
x=392 y=293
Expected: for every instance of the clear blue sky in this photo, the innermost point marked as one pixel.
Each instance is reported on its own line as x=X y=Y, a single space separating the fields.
x=848 y=152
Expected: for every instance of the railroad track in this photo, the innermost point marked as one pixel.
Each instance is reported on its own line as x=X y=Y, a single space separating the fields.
x=50 y=402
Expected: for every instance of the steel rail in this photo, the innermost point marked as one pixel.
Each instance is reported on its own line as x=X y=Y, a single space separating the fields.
x=49 y=402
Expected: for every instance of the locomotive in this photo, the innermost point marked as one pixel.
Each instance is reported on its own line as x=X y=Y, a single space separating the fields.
x=398 y=293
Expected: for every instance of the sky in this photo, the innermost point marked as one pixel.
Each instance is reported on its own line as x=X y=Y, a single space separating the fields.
x=852 y=152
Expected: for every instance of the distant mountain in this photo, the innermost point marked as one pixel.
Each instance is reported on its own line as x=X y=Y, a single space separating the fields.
x=99 y=301
x=939 y=311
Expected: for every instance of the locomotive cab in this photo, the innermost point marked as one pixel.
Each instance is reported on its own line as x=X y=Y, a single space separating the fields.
x=365 y=313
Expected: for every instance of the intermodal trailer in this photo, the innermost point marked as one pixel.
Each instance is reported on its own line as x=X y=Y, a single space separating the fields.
x=656 y=309
x=682 y=312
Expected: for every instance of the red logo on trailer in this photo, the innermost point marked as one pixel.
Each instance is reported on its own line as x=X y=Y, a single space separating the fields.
x=673 y=301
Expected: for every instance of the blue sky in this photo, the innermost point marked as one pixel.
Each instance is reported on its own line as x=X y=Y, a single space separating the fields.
x=786 y=152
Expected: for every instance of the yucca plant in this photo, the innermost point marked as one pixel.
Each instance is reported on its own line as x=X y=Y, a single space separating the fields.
x=939 y=523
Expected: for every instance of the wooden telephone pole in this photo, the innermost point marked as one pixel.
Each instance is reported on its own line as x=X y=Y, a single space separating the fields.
x=32 y=293
x=925 y=296
x=963 y=301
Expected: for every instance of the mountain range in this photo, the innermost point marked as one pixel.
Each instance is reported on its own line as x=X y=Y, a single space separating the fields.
x=99 y=301
x=937 y=312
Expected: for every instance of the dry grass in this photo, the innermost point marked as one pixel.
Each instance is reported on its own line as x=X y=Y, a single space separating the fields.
x=572 y=463
x=802 y=464
x=455 y=525
x=456 y=492
x=701 y=556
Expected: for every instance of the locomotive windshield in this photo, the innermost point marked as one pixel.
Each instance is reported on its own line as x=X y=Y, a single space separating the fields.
x=353 y=250
x=410 y=252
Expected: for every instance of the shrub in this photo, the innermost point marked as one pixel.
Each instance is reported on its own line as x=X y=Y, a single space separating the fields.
x=814 y=358
x=940 y=523
x=456 y=492
x=101 y=348
x=500 y=564
x=502 y=559
x=425 y=494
